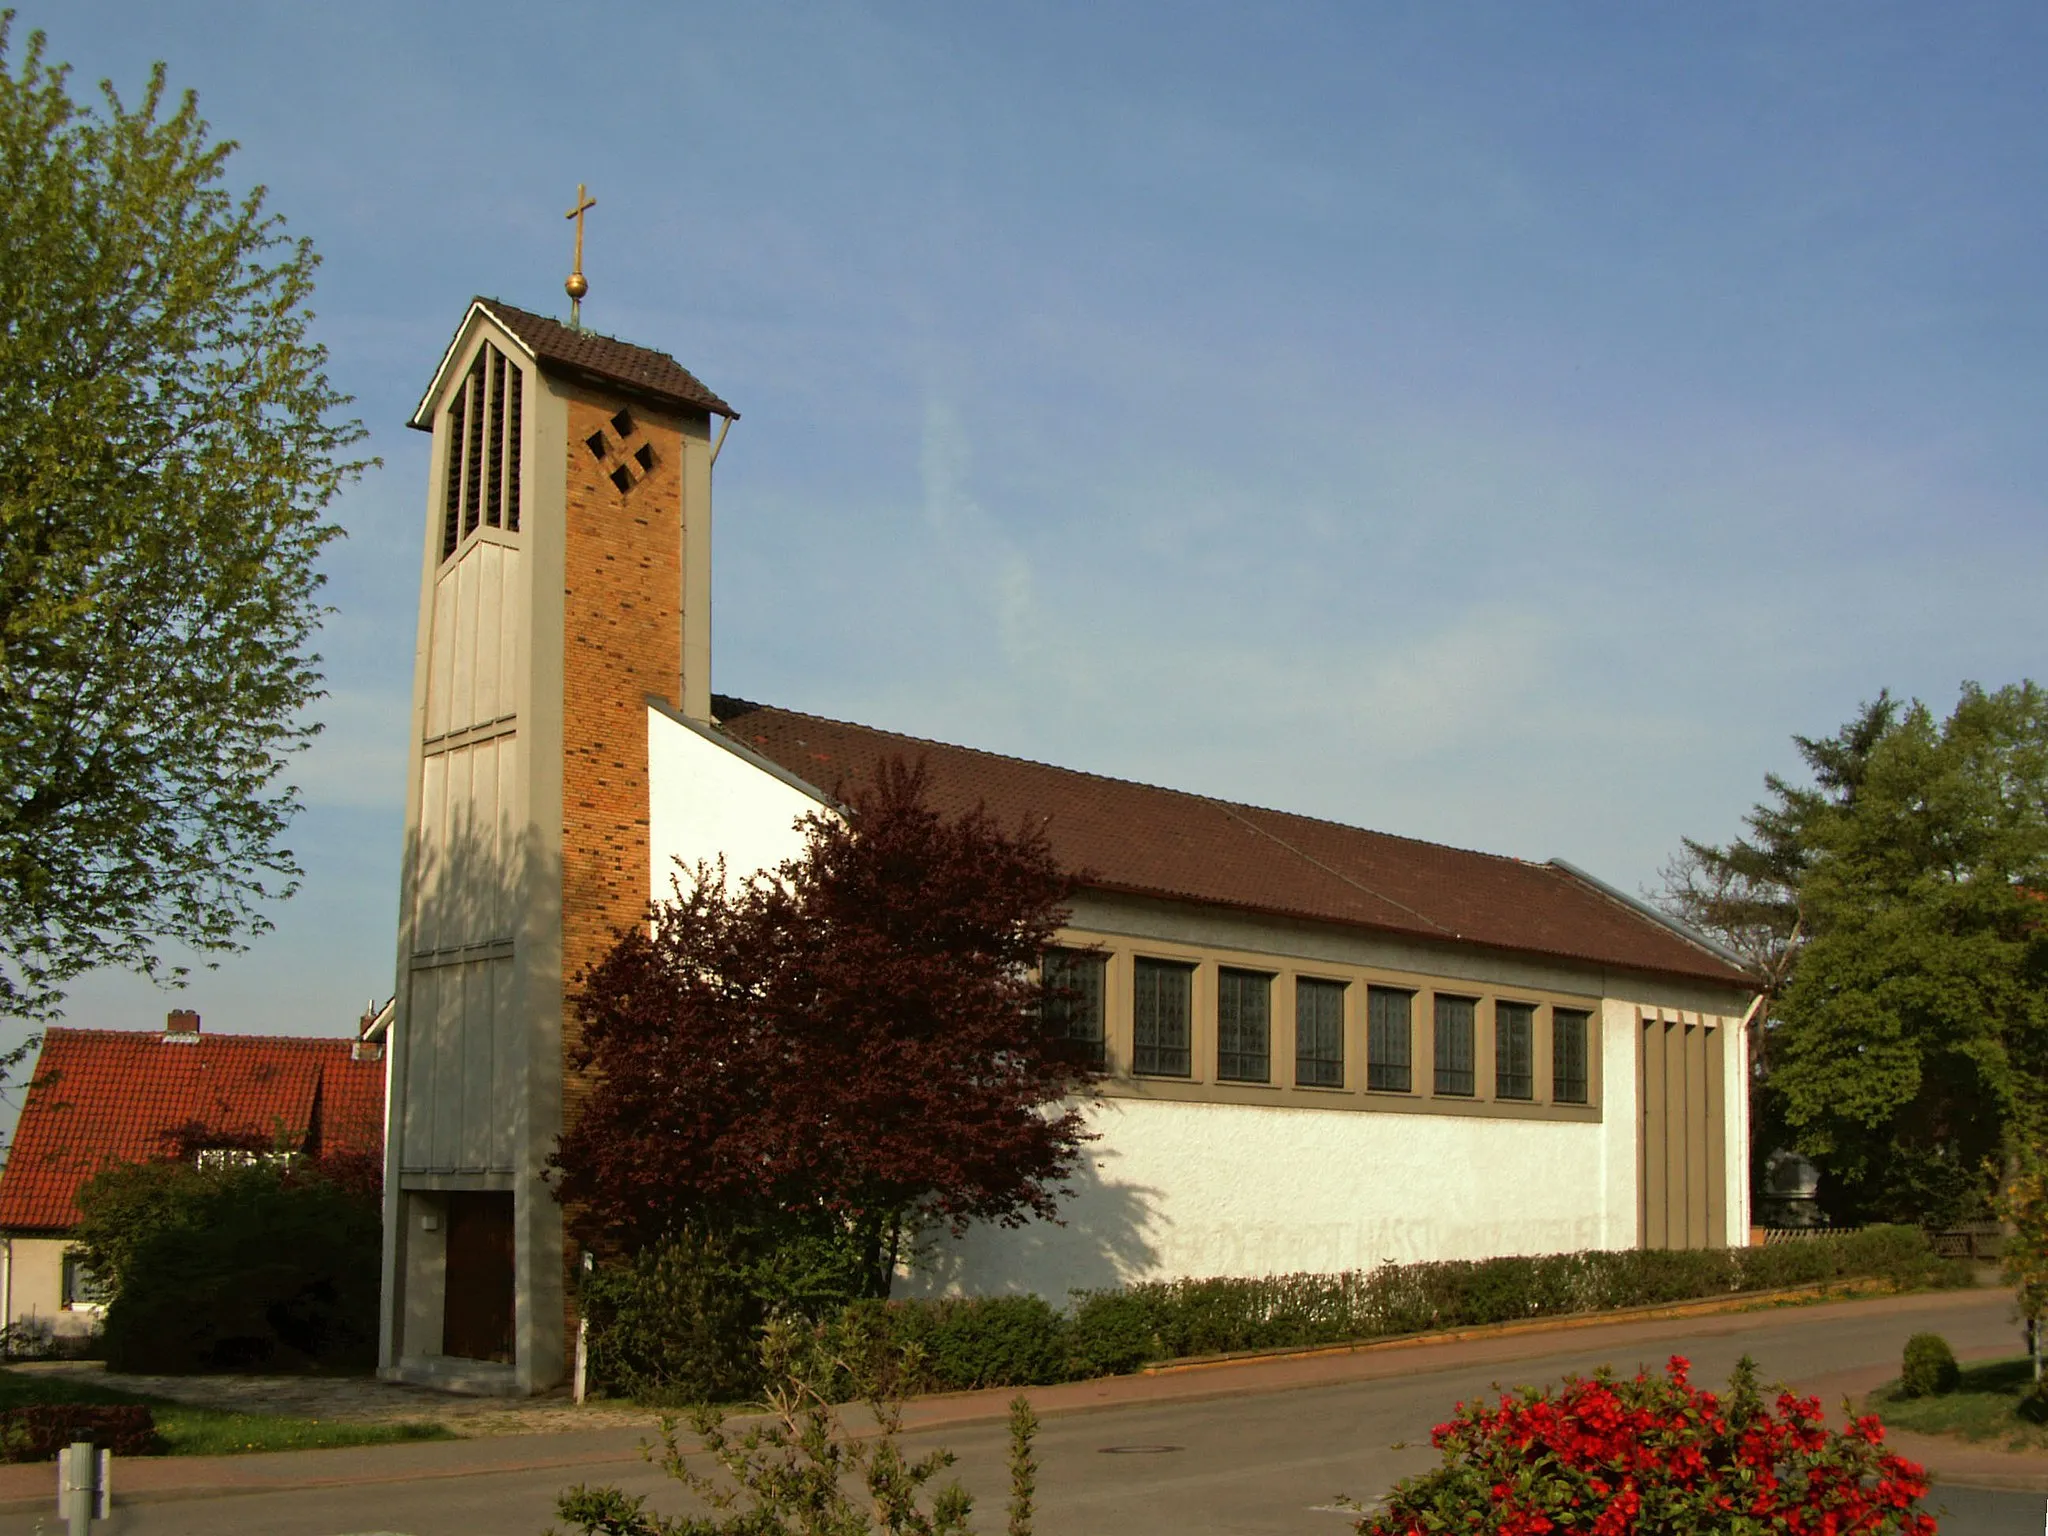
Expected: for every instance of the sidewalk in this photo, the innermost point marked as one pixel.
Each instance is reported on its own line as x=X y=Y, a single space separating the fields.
x=1948 y=1460
x=151 y=1479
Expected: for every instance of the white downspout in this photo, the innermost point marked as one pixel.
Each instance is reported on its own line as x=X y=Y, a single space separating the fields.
x=1743 y=1204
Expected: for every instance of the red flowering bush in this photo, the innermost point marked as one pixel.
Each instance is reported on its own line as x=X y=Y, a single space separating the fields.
x=1657 y=1455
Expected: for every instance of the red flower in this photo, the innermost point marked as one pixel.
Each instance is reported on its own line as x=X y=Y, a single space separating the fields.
x=1659 y=1454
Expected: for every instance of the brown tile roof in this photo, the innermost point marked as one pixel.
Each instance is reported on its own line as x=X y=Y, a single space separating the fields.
x=585 y=355
x=1161 y=842
x=114 y=1095
x=607 y=359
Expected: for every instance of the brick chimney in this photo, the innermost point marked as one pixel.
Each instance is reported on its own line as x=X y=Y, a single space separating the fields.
x=181 y=1021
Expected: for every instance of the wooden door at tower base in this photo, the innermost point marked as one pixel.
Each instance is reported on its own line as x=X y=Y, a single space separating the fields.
x=1681 y=1162
x=476 y=1312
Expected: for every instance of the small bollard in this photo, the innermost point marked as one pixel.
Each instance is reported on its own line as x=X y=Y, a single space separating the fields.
x=85 y=1485
x=582 y=1382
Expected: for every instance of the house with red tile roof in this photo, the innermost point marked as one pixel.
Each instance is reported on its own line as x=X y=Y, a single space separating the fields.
x=101 y=1096
x=1325 y=1046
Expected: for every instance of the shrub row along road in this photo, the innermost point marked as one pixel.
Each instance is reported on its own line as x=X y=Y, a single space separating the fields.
x=1220 y=1451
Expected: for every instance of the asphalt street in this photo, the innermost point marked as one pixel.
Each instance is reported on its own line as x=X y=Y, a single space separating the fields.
x=1273 y=1464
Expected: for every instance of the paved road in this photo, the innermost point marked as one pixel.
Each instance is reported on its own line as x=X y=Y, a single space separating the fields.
x=1266 y=1465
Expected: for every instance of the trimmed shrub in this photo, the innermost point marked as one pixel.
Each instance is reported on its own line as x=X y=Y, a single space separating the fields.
x=679 y=1324
x=1928 y=1368
x=654 y=1336
x=1121 y=1330
x=674 y=1326
x=251 y=1268
x=1112 y=1333
x=959 y=1344
x=1656 y=1454
x=39 y=1430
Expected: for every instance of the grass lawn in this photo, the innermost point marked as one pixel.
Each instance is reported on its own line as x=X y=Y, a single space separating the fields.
x=189 y=1431
x=1983 y=1407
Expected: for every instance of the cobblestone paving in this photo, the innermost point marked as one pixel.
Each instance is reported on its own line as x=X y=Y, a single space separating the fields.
x=361 y=1398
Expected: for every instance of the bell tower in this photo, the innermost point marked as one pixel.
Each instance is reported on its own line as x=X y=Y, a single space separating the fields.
x=565 y=582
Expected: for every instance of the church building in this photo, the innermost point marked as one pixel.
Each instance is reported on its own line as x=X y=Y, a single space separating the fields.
x=1325 y=1047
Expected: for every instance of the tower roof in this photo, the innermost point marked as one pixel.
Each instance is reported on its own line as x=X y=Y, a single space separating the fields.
x=640 y=372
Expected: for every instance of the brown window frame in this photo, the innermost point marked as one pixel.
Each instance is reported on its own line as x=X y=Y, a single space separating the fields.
x=1319 y=1061
x=1082 y=976
x=1158 y=1057
x=1455 y=1071
x=1385 y=1070
x=1567 y=1087
x=1244 y=1019
x=1514 y=1051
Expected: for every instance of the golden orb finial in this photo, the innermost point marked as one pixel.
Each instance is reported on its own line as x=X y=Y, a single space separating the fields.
x=578 y=285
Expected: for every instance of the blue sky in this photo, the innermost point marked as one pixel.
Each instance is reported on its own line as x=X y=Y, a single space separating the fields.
x=1506 y=425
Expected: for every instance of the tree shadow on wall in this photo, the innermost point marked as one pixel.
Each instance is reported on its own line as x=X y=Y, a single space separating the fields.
x=1102 y=1240
x=462 y=1052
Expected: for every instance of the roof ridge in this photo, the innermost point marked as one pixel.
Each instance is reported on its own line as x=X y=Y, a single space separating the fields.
x=534 y=314
x=1110 y=778
x=114 y=1032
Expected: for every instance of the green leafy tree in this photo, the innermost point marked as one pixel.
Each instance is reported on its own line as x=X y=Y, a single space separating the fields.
x=168 y=447
x=2023 y=1206
x=1909 y=1033
x=1746 y=894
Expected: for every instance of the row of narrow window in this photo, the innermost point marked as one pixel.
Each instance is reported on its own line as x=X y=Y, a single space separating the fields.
x=1162 y=1032
x=481 y=481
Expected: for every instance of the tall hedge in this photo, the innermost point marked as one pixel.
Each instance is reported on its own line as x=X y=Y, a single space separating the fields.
x=1013 y=1341
x=669 y=1331
x=261 y=1267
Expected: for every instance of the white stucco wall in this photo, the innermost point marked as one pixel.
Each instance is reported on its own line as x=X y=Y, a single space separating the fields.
x=1620 y=1122
x=705 y=799
x=34 y=1274
x=1193 y=1189
x=1226 y=1189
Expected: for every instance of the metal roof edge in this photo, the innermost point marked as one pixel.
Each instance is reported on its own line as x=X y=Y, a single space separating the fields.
x=421 y=419
x=1642 y=908
x=717 y=736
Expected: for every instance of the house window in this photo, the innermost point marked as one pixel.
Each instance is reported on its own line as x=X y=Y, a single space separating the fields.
x=1244 y=1026
x=1390 y=1040
x=1456 y=1054
x=1318 y=1033
x=1073 y=1001
x=1162 y=1009
x=214 y=1159
x=1514 y=1051
x=81 y=1287
x=1568 y=1055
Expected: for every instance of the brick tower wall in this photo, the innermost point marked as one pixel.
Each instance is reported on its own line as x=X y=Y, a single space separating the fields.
x=622 y=641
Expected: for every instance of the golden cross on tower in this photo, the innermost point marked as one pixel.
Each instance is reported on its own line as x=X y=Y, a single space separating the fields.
x=578 y=285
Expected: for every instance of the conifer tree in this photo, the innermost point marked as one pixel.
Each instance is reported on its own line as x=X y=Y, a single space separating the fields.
x=1908 y=1041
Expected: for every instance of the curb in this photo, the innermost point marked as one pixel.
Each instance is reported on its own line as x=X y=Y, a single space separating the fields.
x=976 y=1414
x=983 y=1406
x=25 y=1504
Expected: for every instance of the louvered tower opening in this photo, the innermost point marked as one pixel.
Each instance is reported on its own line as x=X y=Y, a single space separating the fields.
x=484 y=421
